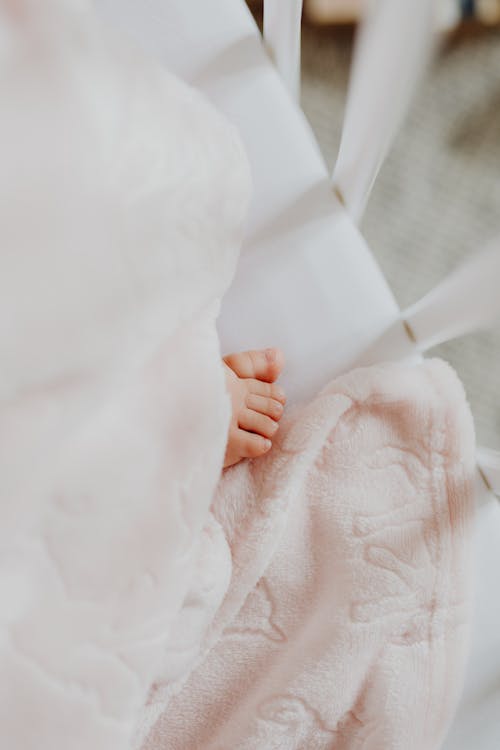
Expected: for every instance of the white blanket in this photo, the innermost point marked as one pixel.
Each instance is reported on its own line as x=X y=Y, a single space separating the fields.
x=122 y=199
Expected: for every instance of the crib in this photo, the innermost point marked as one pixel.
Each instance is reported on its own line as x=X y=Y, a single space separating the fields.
x=321 y=296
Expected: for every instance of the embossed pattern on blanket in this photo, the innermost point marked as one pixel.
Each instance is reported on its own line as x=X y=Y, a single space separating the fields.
x=345 y=624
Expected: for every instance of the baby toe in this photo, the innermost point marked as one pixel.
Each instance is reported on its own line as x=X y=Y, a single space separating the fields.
x=262 y=364
x=270 y=390
x=265 y=405
x=251 y=445
x=253 y=421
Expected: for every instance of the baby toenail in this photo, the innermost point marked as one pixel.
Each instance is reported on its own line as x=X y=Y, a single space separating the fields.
x=267 y=444
x=280 y=393
x=270 y=355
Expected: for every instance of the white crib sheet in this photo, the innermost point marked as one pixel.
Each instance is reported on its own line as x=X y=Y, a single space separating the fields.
x=306 y=281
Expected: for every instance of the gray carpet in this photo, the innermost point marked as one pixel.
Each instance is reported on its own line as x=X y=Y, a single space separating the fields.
x=437 y=198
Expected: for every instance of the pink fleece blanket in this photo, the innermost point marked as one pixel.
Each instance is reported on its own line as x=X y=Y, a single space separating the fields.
x=345 y=620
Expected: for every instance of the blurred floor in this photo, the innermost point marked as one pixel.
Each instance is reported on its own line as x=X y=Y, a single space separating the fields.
x=437 y=198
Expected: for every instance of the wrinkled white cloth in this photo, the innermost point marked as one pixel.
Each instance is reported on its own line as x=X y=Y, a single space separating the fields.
x=122 y=201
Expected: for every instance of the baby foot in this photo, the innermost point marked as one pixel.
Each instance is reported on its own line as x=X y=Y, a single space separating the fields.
x=257 y=404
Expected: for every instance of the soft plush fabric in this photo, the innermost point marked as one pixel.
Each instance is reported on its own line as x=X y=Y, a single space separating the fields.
x=122 y=200
x=345 y=623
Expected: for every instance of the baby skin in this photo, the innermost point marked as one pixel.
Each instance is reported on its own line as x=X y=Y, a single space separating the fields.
x=257 y=402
